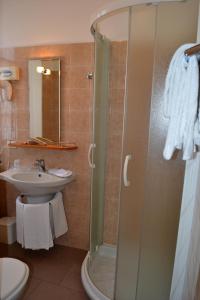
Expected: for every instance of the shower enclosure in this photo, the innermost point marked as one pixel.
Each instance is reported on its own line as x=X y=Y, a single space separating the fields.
x=135 y=194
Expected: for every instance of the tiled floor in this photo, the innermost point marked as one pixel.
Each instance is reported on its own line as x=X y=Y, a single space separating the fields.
x=54 y=274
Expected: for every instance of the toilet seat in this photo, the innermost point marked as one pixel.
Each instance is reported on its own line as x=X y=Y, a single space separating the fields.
x=13 y=276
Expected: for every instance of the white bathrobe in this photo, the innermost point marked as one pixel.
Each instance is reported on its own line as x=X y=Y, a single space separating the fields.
x=181 y=104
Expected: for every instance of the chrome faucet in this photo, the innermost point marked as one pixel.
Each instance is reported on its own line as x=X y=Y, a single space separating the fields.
x=40 y=164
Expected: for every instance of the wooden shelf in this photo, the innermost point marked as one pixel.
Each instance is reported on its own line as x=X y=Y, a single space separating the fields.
x=65 y=147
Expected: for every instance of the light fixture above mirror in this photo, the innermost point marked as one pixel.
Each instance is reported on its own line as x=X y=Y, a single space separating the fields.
x=43 y=70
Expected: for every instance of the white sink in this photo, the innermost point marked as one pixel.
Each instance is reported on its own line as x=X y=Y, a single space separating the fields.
x=37 y=186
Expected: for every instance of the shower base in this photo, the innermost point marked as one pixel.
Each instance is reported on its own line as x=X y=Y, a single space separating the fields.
x=98 y=276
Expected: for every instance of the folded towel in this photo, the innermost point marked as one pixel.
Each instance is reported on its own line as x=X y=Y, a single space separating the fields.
x=35 y=223
x=58 y=213
x=181 y=103
x=60 y=172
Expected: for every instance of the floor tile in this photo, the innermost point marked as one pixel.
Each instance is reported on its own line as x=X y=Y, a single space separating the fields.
x=65 y=255
x=72 y=279
x=3 y=250
x=54 y=292
x=49 y=271
x=30 y=287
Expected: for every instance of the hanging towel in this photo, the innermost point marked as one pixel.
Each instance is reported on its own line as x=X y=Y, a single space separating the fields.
x=20 y=221
x=181 y=103
x=58 y=213
x=37 y=231
x=33 y=225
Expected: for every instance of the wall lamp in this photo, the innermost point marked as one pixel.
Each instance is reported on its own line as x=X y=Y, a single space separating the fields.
x=43 y=70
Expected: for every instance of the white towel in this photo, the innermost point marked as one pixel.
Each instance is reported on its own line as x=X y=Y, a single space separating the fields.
x=20 y=221
x=33 y=223
x=59 y=218
x=60 y=172
x=181 y=103
x=37 y=231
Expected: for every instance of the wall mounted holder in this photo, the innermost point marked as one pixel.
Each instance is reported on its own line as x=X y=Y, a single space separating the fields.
x=6 y=74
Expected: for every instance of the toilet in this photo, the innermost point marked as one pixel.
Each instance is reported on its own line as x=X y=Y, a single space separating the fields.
x=13 y=278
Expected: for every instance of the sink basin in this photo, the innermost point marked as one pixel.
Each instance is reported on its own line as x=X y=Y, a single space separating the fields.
x=38 y=186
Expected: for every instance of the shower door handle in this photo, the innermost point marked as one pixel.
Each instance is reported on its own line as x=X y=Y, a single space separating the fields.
x=92 y=146
x=125 y=171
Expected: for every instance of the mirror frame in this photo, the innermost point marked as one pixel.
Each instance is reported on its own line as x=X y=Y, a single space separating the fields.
x=59 y=90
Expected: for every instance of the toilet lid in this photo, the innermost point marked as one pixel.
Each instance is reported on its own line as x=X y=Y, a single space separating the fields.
x=12 y=274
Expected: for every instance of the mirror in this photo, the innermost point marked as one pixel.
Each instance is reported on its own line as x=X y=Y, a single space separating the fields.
x=44 y=98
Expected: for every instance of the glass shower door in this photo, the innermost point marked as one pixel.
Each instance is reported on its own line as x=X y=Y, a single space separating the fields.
x=136 y=127
x=99 y=146
x=108 y=114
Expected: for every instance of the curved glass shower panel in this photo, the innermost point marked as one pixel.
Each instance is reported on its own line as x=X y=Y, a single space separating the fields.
x=100 y=112
x=108 y=117
x=115 y=28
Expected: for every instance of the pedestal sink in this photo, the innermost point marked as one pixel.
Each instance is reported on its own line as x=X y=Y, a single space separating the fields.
x=38 y=187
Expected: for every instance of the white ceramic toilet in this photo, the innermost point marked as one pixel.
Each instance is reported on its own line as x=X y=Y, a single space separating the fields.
x=13 y=278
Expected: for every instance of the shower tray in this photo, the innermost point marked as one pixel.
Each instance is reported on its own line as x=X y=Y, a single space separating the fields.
x=98 y=277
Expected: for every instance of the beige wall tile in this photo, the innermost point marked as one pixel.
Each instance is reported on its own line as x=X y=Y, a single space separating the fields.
x=75 y=77
x=81 y=54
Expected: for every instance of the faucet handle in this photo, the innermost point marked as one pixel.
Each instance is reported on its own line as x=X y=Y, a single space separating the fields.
x=41 y=160
x=40 y=164
x=36 y=163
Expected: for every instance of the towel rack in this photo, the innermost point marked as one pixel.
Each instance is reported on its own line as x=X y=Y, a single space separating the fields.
x=193 y=50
